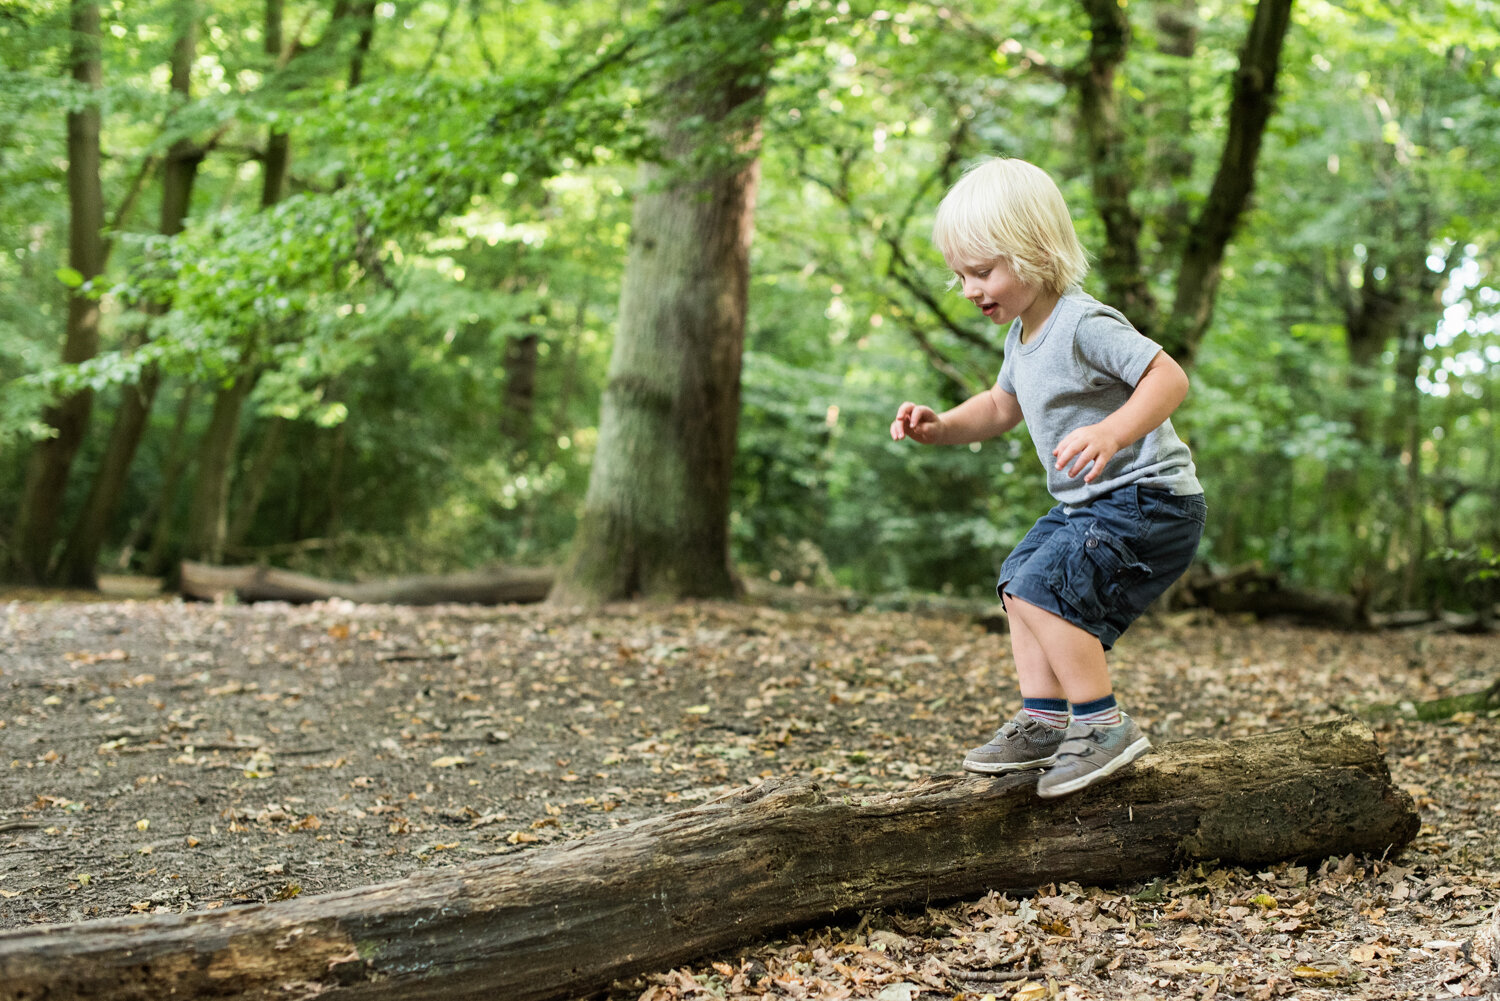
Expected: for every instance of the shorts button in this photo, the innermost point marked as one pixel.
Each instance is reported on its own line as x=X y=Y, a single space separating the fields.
x=1092 y=544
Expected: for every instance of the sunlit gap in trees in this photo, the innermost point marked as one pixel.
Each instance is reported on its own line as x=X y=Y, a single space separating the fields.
x=1469 y=310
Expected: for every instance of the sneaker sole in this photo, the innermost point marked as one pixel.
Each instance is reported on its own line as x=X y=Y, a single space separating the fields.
x=1000 y=768
x=1124 y=758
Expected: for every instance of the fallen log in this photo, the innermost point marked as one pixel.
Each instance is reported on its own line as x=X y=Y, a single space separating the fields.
x=501 y=586
x=1437 y=622
x=566 y=920
x=1266 y=596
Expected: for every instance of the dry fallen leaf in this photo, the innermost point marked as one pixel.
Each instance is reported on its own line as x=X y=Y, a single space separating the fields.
x=86 y=657
x=1305 y=972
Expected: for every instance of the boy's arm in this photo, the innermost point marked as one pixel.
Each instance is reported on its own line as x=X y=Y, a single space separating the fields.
x=979 y=418
x=1160 y=391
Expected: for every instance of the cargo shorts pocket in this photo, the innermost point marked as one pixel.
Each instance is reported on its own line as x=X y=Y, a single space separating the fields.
x=1097 y=575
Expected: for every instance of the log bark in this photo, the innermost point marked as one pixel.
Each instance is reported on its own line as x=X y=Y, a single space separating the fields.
x=501 y=586
x=563 y=921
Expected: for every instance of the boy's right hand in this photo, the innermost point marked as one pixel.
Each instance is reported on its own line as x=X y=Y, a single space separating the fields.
x=916 y=422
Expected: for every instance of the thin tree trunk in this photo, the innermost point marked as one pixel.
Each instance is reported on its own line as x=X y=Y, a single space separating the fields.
x=1172 y=118
x=160 y=558
x=80 y=558
x=1409 y=409
x=1250 y=108
x=207 y=517
x=52 y=460
x=656 y=516
x=333 y=490
x=278 y=144
x=364 y=14
x=1376 y=309
x=565 y=393
x=518 y=411
x=79 y=564
x=257 y=478
x=276 y=169
x=1120 y=263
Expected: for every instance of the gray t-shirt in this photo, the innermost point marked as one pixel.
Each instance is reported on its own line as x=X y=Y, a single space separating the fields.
x=1079 y=368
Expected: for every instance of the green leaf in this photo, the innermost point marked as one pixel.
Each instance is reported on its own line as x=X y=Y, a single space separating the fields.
x=71 y=277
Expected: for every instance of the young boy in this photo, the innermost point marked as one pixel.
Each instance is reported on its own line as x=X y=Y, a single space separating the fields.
x=1096 y=396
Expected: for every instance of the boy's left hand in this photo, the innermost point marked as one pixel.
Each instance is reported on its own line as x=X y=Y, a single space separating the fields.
x=1093 y=443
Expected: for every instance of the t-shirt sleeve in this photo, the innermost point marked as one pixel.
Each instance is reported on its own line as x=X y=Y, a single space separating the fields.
x=1006 y=380
x=1108 y=344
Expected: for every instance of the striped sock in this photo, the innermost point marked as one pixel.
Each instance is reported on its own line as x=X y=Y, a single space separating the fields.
x=1100 y=712
x=1053 y=712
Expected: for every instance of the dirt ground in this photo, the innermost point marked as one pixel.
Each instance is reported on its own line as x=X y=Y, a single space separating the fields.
x=162 y=757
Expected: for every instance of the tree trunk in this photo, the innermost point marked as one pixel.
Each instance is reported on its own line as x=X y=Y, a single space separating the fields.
x=278 y=144
x=1412 y=435
x=363 y=12
x=257 y=479
x=1250 y=107
x=563 y=400
x=518 y=411
x=208 y=514
x=1171 y=132
x=565 y=921
x=159 y=556
x=656 y=515
x=80 y=559
x=1201 y=246
x=47 y=474
x=79 y=567
x=1120 y=263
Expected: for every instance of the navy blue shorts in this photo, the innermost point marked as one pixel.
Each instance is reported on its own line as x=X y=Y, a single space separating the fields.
x=1100 y=565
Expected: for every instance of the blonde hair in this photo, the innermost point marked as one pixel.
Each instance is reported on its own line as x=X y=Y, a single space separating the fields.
x=1009 y=209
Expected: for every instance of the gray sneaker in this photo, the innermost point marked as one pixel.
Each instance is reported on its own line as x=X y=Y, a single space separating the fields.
x=1091 y=753
x=1024 y=742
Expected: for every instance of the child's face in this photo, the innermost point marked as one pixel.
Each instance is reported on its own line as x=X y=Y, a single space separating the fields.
x=995 y=289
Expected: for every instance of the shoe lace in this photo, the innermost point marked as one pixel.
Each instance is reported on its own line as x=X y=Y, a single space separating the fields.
x=1074 y=746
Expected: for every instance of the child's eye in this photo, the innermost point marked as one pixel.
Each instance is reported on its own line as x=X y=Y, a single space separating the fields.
x=982 y=274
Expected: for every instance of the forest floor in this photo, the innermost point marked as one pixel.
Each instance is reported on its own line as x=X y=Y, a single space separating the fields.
x=164 y=757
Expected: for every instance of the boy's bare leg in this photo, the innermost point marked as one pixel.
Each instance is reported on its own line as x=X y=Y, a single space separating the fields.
x=1071 y=657
x=1033 y=667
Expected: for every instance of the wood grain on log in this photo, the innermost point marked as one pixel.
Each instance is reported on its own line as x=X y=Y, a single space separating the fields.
x=562 y=921
x=514 y=585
